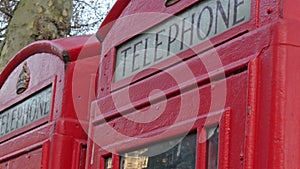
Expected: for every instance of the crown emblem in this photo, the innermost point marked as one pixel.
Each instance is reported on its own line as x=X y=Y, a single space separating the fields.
x=23 y=80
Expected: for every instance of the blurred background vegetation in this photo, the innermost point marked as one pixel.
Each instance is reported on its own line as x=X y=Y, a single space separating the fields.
x=25 y=21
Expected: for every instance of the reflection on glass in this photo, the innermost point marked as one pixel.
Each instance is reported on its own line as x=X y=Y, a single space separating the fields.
x=179 y=154
x=108 y=163
x=212 y=147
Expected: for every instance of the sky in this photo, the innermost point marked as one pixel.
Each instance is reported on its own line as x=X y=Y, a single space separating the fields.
x=90 y=13
x=101 y=8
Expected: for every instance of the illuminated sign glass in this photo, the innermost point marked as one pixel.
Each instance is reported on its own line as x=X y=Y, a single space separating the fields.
x=193 y=26
x=26 y=112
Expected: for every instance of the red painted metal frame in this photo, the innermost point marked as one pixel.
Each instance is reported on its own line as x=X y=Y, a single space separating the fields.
x=272 y=122
x=232 y=62
x=144 y=7
x=59 y=139
x=263 y=52
x=259 y=126
x=40 y=81
x=237 y=110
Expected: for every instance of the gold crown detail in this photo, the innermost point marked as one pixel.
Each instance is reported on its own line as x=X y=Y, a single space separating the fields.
x=23 y=80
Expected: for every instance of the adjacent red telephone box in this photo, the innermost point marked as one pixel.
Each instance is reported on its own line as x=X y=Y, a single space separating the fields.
x=45 y=94
x=197 y=84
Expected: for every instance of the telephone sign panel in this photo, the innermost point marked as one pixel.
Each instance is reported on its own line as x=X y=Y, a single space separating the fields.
x=26 y=112
x=223 y=72
x=172 y=90
x=44 y=105
x=193 y=26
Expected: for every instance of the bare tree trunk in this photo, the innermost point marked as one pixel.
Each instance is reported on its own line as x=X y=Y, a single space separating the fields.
x=36 y=20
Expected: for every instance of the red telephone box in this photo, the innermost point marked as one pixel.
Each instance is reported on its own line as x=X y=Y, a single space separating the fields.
x=197 y=84
x=45 y=94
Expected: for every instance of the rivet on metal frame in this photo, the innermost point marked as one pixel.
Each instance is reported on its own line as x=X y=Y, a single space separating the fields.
x=170 y=2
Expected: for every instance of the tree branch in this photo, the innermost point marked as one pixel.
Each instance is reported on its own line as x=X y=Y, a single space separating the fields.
x=89 y=5
x=4 y=28
x=6 y=12
x=84 y=25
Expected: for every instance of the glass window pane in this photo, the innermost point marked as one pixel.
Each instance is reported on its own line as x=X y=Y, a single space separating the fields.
x=108 y=163
x=179 y=154
x=212 y=147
